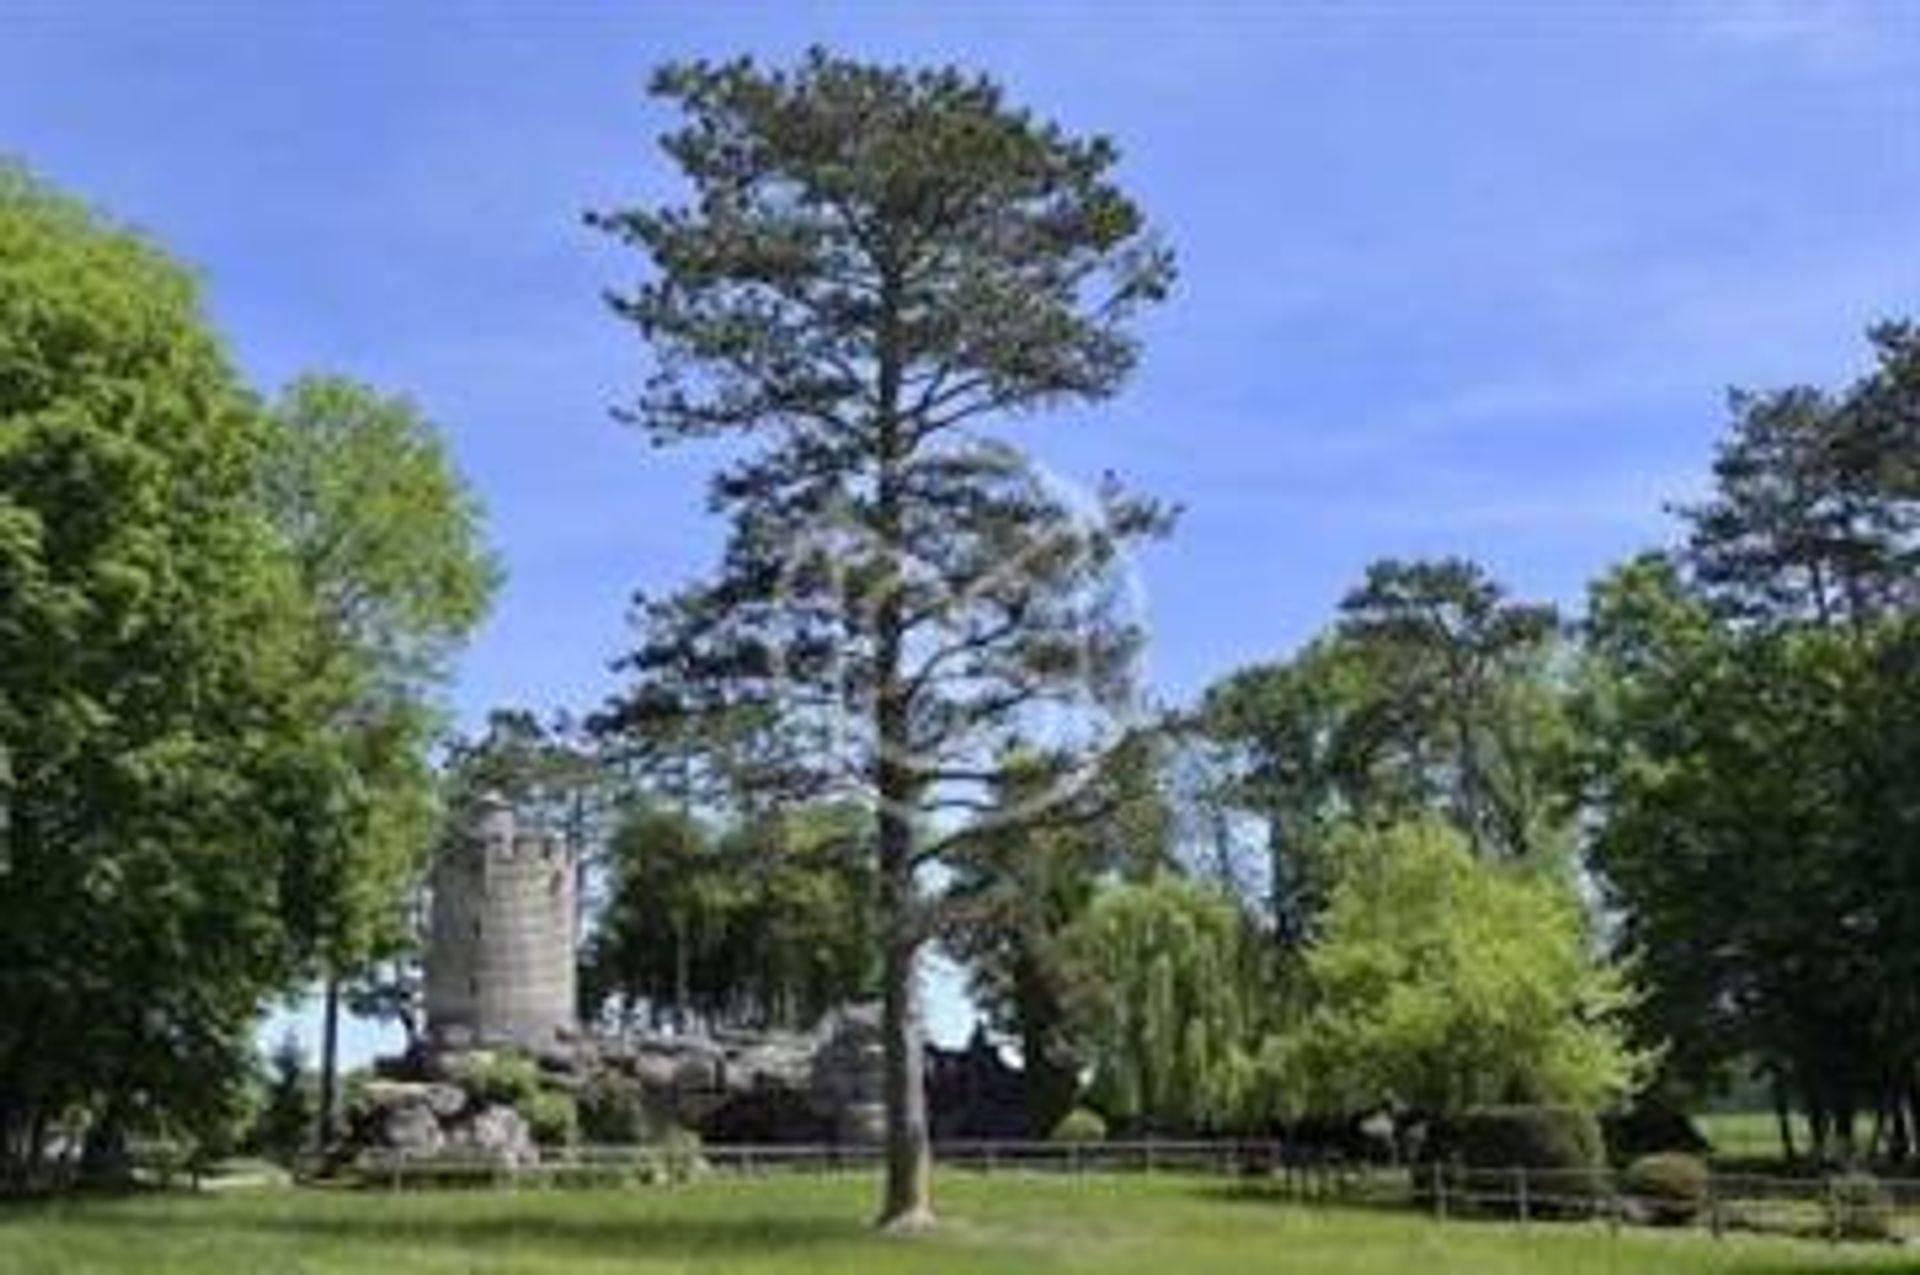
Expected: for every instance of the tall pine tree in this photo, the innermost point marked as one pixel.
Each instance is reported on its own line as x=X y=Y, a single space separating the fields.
x=875 y=265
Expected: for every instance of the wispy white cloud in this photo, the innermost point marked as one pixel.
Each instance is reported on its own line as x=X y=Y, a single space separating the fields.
x=1828 y=36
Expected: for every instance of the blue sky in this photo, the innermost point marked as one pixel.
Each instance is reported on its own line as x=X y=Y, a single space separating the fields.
x=1456 y=276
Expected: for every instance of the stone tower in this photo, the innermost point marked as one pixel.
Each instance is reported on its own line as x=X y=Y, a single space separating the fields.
x=501 y=941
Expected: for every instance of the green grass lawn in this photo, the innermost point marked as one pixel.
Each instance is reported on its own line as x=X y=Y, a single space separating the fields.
x=1160 y=1225
x=1745 y=1135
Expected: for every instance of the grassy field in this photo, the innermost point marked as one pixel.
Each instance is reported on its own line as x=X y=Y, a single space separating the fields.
x=1745 y=1135
x=1003 y=1223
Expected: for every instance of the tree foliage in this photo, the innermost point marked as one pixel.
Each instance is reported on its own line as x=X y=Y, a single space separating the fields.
x=1168 y=1008
x=159 y=770
x=877 y=264
x=1746 y=716
x=1020 y=890
x=764 y=924
x=1443 y=981
x=1435 y=693
x=387 y=546
x=388 y=549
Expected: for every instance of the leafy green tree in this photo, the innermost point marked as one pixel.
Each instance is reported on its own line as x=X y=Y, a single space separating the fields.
x=876 y=265
x=1305 y=744
x=1749 y=758
x=804 y=936
x=1815 y=509
x=387 y=543
x=1443 y=981
x=766 y=924
x=664 y=923
x=1019 y=890
x=1436 y=693
x=284 y=1125
x=1729 y=836
x=550 y=772
x=1169 y=1006
x=1471 y=666
x=159 y=770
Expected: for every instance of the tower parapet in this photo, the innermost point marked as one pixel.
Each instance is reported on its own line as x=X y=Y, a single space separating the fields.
x=500 y=967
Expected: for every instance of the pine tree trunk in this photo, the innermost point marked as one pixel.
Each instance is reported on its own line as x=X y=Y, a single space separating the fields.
x=909 y=1198
x=909 y=1191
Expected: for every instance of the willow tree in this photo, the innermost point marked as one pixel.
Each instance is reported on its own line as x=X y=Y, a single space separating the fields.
x=1167 y=1004
x=875 y=267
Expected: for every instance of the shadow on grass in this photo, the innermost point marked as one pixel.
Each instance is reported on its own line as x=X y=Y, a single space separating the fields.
x=656 y=1234
x=1795 y=1256
x=1274 y=1193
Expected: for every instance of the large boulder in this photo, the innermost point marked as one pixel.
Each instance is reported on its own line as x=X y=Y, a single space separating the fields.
x=496 y=1135
x=823 y=1085
x=432 y=1120
x=847 y=1075
x=412 y=1131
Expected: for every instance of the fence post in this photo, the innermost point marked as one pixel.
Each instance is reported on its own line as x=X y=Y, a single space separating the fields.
x=1440 y=1192
x=1833 y=1210
x=1715 y=1222
x=1520 y=1190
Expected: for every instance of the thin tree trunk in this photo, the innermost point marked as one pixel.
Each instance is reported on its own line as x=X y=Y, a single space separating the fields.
x=681 y=980
x=328 y=1123
x=1783 y=1116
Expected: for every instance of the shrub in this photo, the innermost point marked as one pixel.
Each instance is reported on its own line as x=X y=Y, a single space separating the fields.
x=1673 y=1187
x=613 y=1113
x=674 y=1159
x=507 y=1079
x=1649 y=1128
x=1858 y=1207
x=1080 y=1125
x=1560 y=1147
x=552 y=1118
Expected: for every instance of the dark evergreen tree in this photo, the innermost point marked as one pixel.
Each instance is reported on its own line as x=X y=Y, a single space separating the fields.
x=875 y=266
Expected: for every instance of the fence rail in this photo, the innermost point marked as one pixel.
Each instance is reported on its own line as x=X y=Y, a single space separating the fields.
x=1147 y=1156
x=1838 y=1207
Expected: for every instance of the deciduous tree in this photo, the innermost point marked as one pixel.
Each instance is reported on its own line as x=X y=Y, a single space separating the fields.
x=159 y=772
x=387 y=545
x=1443 y=981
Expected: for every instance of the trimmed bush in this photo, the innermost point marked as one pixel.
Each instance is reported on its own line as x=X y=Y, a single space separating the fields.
x=1080 y=1125
x=1651 y=1128
x=613 y=1113
x=507 y=1079
x=674 y=1159
x=1673 y=1188
x=1561 y=1149
x=552 y=1118
x=1859 y=1208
